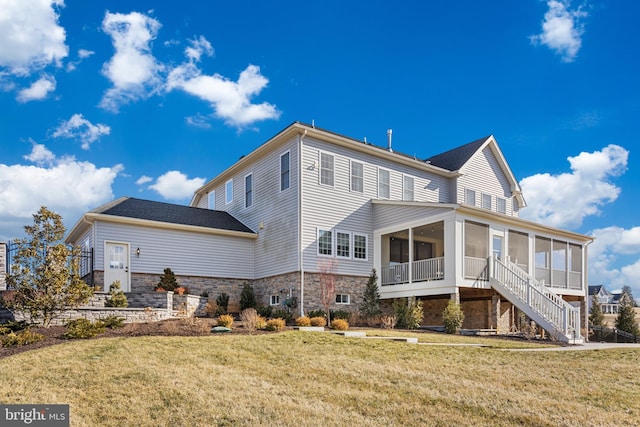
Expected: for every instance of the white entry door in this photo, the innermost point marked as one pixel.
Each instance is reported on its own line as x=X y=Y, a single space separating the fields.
x=116 y=265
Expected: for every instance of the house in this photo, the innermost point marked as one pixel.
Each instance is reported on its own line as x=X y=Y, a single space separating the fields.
x=310 y=202
x=609 y=301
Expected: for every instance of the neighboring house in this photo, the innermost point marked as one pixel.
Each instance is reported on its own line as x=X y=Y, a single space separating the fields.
x=609 y=302
x=310 y=202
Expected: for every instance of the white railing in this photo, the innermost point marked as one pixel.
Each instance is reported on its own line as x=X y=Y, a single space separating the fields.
x=552 y=309
x=422 y=270
x=476 y=268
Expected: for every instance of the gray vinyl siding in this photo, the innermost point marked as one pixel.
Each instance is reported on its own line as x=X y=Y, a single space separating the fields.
x=186 y=253
x=276 y=250
x=483 y=174
x=388 y=215
x=86 y=240
x=338 y=208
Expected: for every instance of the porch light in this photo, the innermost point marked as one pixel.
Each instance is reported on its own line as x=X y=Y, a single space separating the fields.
x=138 y=252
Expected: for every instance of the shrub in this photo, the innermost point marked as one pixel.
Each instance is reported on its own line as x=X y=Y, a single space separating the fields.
x=261 y=322
x=225 y=320
x=370 y=307
x=317 y=313
x=303 y=321
x=223 y=303
x=83 y=328
x=339 y=324
x=452 y=317
x=112 y=322
x=250 y=318
x=13 y=326
x=318 y=321
x=168 y=280
x=341 y=314
x=247 y=297
x=23 y=337
x=116 y=297
x=275 y=324
x=265 y=310
x=282 y=314
x=408 y=313
x=388 y=322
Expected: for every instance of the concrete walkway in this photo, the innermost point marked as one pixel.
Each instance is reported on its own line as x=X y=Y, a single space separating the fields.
x=583 y=347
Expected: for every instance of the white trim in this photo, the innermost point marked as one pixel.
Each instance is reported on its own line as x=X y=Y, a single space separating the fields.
x=272 y=298
x=366 y=246
x=228 y=193
x=250 y=174
x=388 y=183
x=413 y=190
x=332 y=243
x=348 y=256
x=341 y=302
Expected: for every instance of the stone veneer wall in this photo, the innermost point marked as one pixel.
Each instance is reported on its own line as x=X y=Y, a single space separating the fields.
x=352 y=285
x=3 y=266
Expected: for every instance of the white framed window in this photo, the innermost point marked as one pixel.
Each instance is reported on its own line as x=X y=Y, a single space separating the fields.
x=274 y=300
x=357 y=176
x=343 y=244
x=343 y=299
x=211 y=200
x=383 y=184
x=470 y=197
x=360 y=246
x=486 y=201
x=501 y=205
x=228 y=192
x=325 y=242
x=285 y=171
x=248 y=190
x=407 y=188
x=326 y=169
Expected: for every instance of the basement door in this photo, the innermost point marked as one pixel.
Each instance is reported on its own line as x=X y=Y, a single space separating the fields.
x=116 y=265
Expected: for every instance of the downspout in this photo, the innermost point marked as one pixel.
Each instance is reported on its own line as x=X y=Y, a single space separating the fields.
x=300 y=221
x=585 y=273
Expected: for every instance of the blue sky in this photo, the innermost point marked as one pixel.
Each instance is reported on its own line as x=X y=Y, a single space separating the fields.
x=152 y=98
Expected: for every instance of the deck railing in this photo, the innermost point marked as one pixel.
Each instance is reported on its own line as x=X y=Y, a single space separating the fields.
x=422 y=270
x=476 y=268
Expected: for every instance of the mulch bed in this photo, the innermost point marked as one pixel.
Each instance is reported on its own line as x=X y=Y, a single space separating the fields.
x=190 y=327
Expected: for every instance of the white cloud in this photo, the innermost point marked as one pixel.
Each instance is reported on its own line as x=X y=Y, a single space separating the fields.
x=564 y=200
x=143 y=180
x=198 y=121
x=77 y=127
x=64 y=185
x=133 y=70
x=84 y=53
x=30 y=34
x=175 y=185
x=615 y=246
x=39 y=90
x=231 y=101
x=197 y=47
x=562 y=29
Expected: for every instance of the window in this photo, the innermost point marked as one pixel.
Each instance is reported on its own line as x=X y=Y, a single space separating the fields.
x=486 y=201
x=326 y=169
x=325 y=242
x=343 y=244
x=407 y=188
x=274 y=300
x=476 y=240
x=470 y=197
x=501 y=206
x=212 y=200
x=359 y=246
x=284 y=171
x=342 y=299
x=248 y=191
x=383 y=184
x=519 y=249
x=228 y=192
x=357 y=177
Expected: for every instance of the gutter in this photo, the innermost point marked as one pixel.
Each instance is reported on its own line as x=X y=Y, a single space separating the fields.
x=300 y=220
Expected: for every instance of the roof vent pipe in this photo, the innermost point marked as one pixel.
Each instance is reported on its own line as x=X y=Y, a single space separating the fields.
x=389 y=132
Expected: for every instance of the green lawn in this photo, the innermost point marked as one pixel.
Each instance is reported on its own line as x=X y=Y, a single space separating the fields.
x=308 y=379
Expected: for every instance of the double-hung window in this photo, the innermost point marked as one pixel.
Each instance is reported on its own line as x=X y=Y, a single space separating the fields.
x=212 y=200
x=360 y=246
x=357 y=177
x=228 y=192
x=501 y=205
x=285 y=171
x=325 y=242
x=407 y=188
x=486 y=201
x=248 y=191
x=343 y=244
x=326 y=169
x=470 y=197
x=383 y=184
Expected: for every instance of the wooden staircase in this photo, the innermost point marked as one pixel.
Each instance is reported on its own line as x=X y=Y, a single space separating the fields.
x=556 y=316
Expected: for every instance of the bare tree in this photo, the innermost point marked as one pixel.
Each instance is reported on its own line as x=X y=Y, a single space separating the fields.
x=328 y=278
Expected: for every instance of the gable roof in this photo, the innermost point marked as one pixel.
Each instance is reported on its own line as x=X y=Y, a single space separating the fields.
x=454 y=159
x=173 y=214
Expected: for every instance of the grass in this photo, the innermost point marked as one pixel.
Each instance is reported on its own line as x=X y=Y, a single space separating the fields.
x=308 y=379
